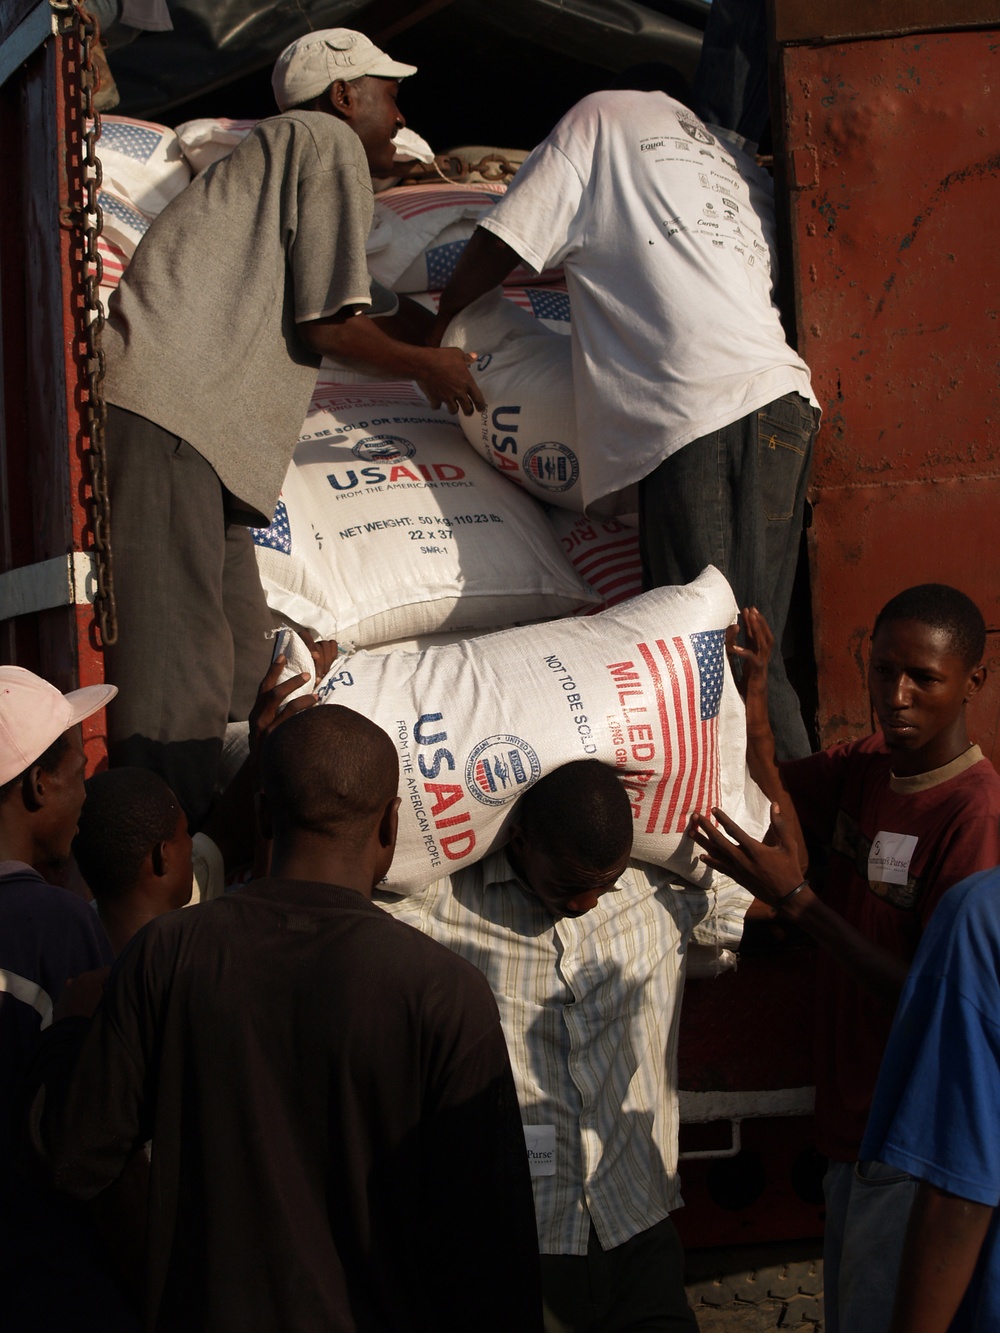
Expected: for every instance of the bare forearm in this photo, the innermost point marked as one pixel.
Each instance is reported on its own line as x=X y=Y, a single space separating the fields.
x=441 y=372
x=876 y=968
x=761 y=760
x=943 y=1242
x=410 y=324
x=365 y=346
x=484 y=263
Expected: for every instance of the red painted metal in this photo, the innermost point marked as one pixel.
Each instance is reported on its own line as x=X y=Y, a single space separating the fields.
x=887 y=157
x=43 y=361
x=892 y=161
x=751 y=1030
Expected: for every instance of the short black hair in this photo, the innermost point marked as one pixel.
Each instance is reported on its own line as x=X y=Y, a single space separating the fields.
x=128 y=812
x=943 y=608
x=328 y=770
x=580 y=809
x=48 y=761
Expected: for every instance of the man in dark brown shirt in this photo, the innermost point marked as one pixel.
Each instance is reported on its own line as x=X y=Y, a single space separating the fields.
x=336 y=1138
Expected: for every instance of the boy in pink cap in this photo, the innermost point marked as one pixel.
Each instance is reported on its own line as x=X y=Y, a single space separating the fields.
x=54 y=1272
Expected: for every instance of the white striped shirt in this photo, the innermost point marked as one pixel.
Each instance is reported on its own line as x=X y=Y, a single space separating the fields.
x=590 y=1008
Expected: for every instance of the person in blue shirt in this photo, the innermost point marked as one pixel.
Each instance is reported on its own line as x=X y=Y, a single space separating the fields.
x=935 y=1114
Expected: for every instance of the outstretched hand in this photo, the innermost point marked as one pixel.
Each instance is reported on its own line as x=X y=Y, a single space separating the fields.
x=755 y=654
x=771 y=870
x=269 y=709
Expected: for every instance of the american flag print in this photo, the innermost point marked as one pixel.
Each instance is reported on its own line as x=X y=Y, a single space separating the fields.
x=612 y=566
x=687 y=677
x=278 y=537
x=115 y=262
x=547 y=304
x=331 y=396
x=131 y=217
x=441 y=261
x=131 y=140
x=410 y=201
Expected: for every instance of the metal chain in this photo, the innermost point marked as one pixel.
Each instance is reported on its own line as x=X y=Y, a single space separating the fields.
x=76 y=24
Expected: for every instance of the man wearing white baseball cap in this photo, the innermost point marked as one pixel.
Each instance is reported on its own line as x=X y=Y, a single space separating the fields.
x=54 y=1272
x=310 y=64
x=245 y=280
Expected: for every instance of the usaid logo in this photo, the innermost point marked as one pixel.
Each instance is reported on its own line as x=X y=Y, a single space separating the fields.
x=383 y=448
x=500 y=768
x=552 y=465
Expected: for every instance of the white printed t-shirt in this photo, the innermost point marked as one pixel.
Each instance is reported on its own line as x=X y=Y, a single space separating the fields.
x=666 y=235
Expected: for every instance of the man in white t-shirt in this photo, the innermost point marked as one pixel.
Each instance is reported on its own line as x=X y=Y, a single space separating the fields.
x=683 y=379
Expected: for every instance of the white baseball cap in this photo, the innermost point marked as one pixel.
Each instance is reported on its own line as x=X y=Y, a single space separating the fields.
x=33 y=714
x=311 y=63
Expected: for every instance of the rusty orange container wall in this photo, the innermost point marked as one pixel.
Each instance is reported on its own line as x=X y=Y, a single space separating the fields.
x=888 y=160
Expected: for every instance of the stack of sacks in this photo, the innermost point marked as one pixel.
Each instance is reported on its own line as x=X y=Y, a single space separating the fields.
x=210 y=140
x=457 y=578
x=644 y=687
x=424 y=230
x=143 y=169
x=388 y=527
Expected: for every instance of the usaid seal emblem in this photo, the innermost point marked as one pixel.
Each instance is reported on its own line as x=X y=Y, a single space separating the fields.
x=500 y=768
x=383 y=448
x=552 y=465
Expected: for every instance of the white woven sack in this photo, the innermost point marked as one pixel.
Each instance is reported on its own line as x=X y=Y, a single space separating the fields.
x=604 y=552
x=525 y=374
x=432 y=269
x=644 y=687
x=388 y=528
x=210 y=139
x=412 y=217
x=412 y=220
x=142 y=162
x=124 y=224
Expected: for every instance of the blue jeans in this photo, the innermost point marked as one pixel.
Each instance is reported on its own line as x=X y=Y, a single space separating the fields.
x=867 y=1209
x=735 y=499
x=730 y=84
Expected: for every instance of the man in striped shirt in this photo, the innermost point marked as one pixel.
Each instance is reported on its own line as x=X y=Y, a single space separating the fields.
x=584 y=950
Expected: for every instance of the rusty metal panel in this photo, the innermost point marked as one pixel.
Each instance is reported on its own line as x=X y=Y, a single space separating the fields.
x=891 y=164
x=895 y=162
x=836 y=20
x=869 y=542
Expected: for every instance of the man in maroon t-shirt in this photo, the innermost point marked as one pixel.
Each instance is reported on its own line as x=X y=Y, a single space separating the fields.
x=904 y=815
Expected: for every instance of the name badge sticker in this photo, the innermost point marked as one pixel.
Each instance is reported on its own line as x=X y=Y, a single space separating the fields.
x=540 y=1141
x=890 y=857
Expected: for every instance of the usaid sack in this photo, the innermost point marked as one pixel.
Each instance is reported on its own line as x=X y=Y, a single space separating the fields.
x=604 y=552
x=419 y=232
x=644 y=687
x=525 y=374
x=388 y=527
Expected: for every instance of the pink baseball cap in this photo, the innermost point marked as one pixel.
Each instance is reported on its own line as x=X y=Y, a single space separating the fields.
x=311 y=63
x=34 y=713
